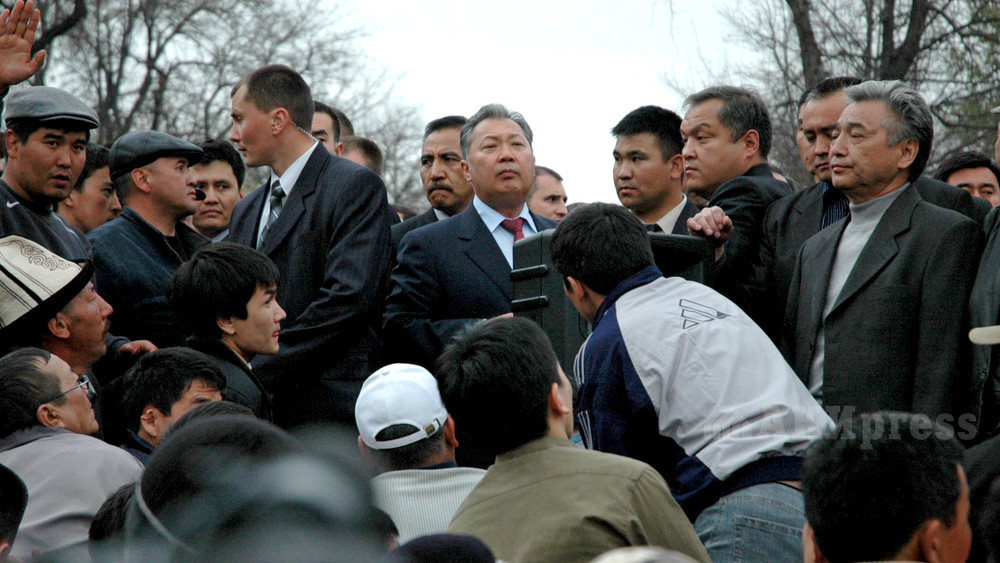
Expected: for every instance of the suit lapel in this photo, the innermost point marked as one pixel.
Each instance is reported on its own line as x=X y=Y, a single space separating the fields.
x=689 y=210
x=295 y=204
x=817 y=276
x=483 y=251
x=881 y=246
x=246 y=217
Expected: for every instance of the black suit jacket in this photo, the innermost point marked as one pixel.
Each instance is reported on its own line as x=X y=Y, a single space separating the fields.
x=791 y=220
x=448 y=274
x=896 y=336
x=984 y=306
x=400 y=229
x=745 y=199
x=689 y=211
x=332 y=247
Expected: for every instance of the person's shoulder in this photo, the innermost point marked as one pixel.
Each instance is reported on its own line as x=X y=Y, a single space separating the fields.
x=612 y=466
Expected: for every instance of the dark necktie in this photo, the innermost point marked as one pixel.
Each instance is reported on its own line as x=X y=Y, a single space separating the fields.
x=654 y=228
x=276 y=199
x=514 y=226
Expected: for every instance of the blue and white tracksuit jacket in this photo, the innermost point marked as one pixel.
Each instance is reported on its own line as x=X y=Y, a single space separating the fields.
x=676 y=375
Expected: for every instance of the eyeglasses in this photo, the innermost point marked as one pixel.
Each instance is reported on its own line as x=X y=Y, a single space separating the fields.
x=84 y=383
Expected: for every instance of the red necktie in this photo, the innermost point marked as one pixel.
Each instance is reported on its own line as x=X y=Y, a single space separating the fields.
x=514 y=226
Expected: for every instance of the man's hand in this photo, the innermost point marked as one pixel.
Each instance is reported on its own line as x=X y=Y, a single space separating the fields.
x=713 y=224
x=137 y=348
x=17 y=34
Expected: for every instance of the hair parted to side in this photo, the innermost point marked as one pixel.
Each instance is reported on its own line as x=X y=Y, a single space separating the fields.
x=278 y=86
x=221 y=150
x=911 y=116
x=24 y=386
x=492 y=111
x=495 y=379
x=600 y=245
x=662 y=123
x=826 y=87
x=160 y=379
x=871 y=482
x=964 y=160
x=743 y=110
x=446 y=122
x=218 y=282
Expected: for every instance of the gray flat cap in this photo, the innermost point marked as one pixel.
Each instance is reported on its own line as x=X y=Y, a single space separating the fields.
x=139 y=148
x=45 y=103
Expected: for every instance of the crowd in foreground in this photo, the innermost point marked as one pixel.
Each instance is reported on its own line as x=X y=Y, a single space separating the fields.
x=191 y=374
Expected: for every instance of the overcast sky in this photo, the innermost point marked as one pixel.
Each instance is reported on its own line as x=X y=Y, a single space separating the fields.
x=572 y=67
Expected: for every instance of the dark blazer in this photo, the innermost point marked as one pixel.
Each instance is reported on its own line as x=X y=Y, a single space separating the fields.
x=689 y=211
x=400 y=229
x=791 y=220
x=242 y=384
x=332 y=247
x=896 y=339
x=745 y=200
x=984 y=310
x=448 y=274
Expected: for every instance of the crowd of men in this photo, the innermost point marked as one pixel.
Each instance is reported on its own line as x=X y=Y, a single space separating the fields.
x=171 y=340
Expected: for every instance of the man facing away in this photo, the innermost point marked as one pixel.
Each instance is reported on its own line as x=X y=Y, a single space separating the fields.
x=408 y=435
x=545 y=499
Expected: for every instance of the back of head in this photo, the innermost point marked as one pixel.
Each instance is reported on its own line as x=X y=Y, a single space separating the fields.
x=160 y=379
x=24 y=386
x=600 y=245
x=97 y=158
x=343 y=122
x=221 y=150
x=218 y=282
x=495 y=380
x=278 y=86
x=210 y=410
x=492 y=111
x=912 y=116
x=875 y=480
x=446 y=122
x=963 y=160
x=374 y=159
x=13 y=501
x=662 y=123
x=743 y=110
x=826 y=87
x=443 y=547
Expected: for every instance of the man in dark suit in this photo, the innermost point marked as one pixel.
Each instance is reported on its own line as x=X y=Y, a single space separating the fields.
x=649 y=168
x=794 y=218
x=876 y=315
x=455 y=272
x=447 y=190
x=324 y=221
x=727 y=136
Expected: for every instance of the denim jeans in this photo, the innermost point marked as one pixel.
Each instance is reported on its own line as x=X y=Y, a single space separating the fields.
x=759 y=523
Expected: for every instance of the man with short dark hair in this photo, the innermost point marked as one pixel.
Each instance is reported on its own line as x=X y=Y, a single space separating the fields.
x=46 y=148
x=974 y=172
x=324 y=222
x=45 y=421
x=445 y=185
x=219 y=175
x=13 y=501
x=363 y=151
x=877 y=316
x=135 y=254
x=452 y=273
x=226 y=295
x=649 y=169
x=93 y=201
x=547 y=197
x=886 y=486
x=159 y=389
x=326 y=128
x=545 y=499
x=677 y=376
x=727 y=137
x=408 y=435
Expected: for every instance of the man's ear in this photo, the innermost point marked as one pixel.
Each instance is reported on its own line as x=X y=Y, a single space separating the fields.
x=751 y=143
x=929 y=540
x=280 y=119
x=465 y=171
x=365 y=452
x=148 y=423
x=449 y=432
x=338 y=149
x=59 y=326
x=556 y=405
x=676 y=164
x=810 y=550
x=140 y=177
x=575 y=289
x=49 y=415
x=70 y=200
x=5 y=551
x=11 y=143
x=226 y=325
x=908 y=153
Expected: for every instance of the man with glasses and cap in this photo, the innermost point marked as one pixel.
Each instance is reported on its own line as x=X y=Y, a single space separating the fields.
x=136 y=254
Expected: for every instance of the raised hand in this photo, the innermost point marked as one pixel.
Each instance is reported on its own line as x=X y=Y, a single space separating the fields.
x=17 y=34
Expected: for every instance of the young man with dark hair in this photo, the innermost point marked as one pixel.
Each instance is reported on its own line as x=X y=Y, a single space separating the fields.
x=974 y=172
x=159 y=389
x=220 y=176
x=676 y=375
x=886 y=486
x=46 y=419
x=93 y=201
x=649 y=168
x=326 y=128
x=545 y=499
x=324 y=222
x=226 y=295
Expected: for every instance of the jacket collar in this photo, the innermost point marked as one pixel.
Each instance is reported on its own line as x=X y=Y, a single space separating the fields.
x=642 y=277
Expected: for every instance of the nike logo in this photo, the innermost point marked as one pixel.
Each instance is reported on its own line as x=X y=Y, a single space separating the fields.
x=12 y=203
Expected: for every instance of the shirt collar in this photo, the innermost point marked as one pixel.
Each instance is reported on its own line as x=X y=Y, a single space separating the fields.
x=493 y=219
x=293 y=172
x=669 y=221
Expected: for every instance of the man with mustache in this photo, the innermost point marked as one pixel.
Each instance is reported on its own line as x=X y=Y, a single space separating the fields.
x=455 y=272
x=445 y=185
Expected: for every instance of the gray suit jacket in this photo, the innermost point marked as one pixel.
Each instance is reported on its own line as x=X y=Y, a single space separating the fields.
x=896 y=336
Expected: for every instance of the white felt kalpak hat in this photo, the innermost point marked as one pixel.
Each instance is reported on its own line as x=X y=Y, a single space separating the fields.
x=399 y=394
x=35 y=283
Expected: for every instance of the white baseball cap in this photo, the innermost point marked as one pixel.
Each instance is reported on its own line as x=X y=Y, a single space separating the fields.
x=399 y=394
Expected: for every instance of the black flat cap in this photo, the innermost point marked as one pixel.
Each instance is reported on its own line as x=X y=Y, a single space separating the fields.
x=45 y=103
x=139 y=148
